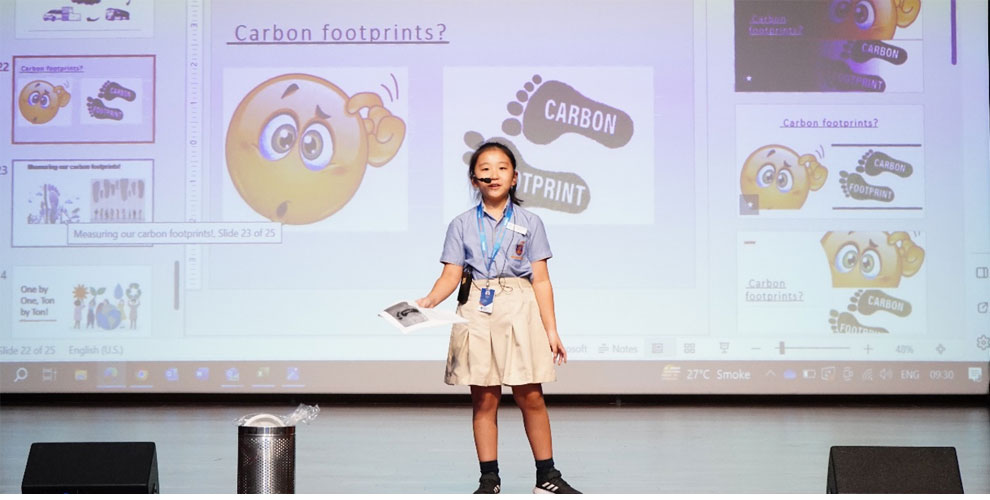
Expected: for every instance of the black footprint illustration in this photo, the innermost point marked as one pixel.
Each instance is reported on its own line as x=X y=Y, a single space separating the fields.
x=101 y=111
x=838 y=77
x=545 y=110
x=846 y=323
x=870 y=301
x=560 y=191
x=854 y=301
x=854 y=186
x=113 y=90
x=874 y=163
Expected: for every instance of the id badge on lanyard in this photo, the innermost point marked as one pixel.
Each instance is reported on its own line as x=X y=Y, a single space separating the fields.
x=487 y=302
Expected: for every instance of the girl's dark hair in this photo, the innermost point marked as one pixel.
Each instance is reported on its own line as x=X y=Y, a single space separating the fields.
x=512 y=159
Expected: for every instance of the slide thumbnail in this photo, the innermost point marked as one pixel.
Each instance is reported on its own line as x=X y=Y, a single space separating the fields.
x=830 y=161
x=828 y=45
x=836 y=283
x=84 y=99
x=85 y=18
x=82 y=302
x=48 y=194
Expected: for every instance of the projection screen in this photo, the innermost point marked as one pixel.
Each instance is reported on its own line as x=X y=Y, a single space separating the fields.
x=758 y=196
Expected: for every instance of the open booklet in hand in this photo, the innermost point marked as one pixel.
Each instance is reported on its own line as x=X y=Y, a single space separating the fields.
x=408 y=317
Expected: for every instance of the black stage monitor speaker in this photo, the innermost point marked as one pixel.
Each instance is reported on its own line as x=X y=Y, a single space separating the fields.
x=91 y=468
x=893 y=469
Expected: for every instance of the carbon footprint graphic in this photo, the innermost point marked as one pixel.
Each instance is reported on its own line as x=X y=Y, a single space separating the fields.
x=837 y=76
x=847 y=323
x=854 y=186
x=113 y=90
x=874 y=163
x=560 y=191
x=870 y=301
x=101 y=111
x=864 y=50
x=545 y=110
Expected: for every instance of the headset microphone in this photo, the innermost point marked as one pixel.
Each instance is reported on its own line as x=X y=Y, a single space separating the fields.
x=486 y=180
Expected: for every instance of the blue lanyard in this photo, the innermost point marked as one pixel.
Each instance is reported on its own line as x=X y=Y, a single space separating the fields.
x=489 y=260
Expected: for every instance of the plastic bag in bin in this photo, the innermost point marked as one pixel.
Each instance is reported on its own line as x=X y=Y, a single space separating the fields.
x=303 y=414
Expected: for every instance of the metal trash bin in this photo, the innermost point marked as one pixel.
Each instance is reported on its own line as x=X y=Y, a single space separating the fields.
x=266 y=459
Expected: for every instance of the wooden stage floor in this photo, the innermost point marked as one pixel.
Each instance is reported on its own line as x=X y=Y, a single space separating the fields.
x=604 y=448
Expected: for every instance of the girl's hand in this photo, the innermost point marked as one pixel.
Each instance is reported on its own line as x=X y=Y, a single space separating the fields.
x=425 y=302
x=557 y=348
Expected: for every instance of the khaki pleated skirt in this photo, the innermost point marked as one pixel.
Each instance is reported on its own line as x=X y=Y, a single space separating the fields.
x=507 y=347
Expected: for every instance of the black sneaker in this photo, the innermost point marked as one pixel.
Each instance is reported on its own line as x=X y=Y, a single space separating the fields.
x=489 y=483
x=553 y=483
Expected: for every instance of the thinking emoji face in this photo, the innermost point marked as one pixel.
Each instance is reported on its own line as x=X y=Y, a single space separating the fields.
x=870 y=19
x=39 y=101
x=871 y=259
x=297 y=146
x=780 y=178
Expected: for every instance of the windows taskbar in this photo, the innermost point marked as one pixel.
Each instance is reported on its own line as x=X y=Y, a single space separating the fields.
x=577 y=377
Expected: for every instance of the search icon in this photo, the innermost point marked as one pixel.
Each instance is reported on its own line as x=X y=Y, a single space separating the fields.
x=21 y=374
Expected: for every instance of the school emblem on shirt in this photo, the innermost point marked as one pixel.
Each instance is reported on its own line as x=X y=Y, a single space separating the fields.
x=520 y=248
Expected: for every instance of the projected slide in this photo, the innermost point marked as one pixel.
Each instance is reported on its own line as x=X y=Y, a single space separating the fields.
x=750 y=196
